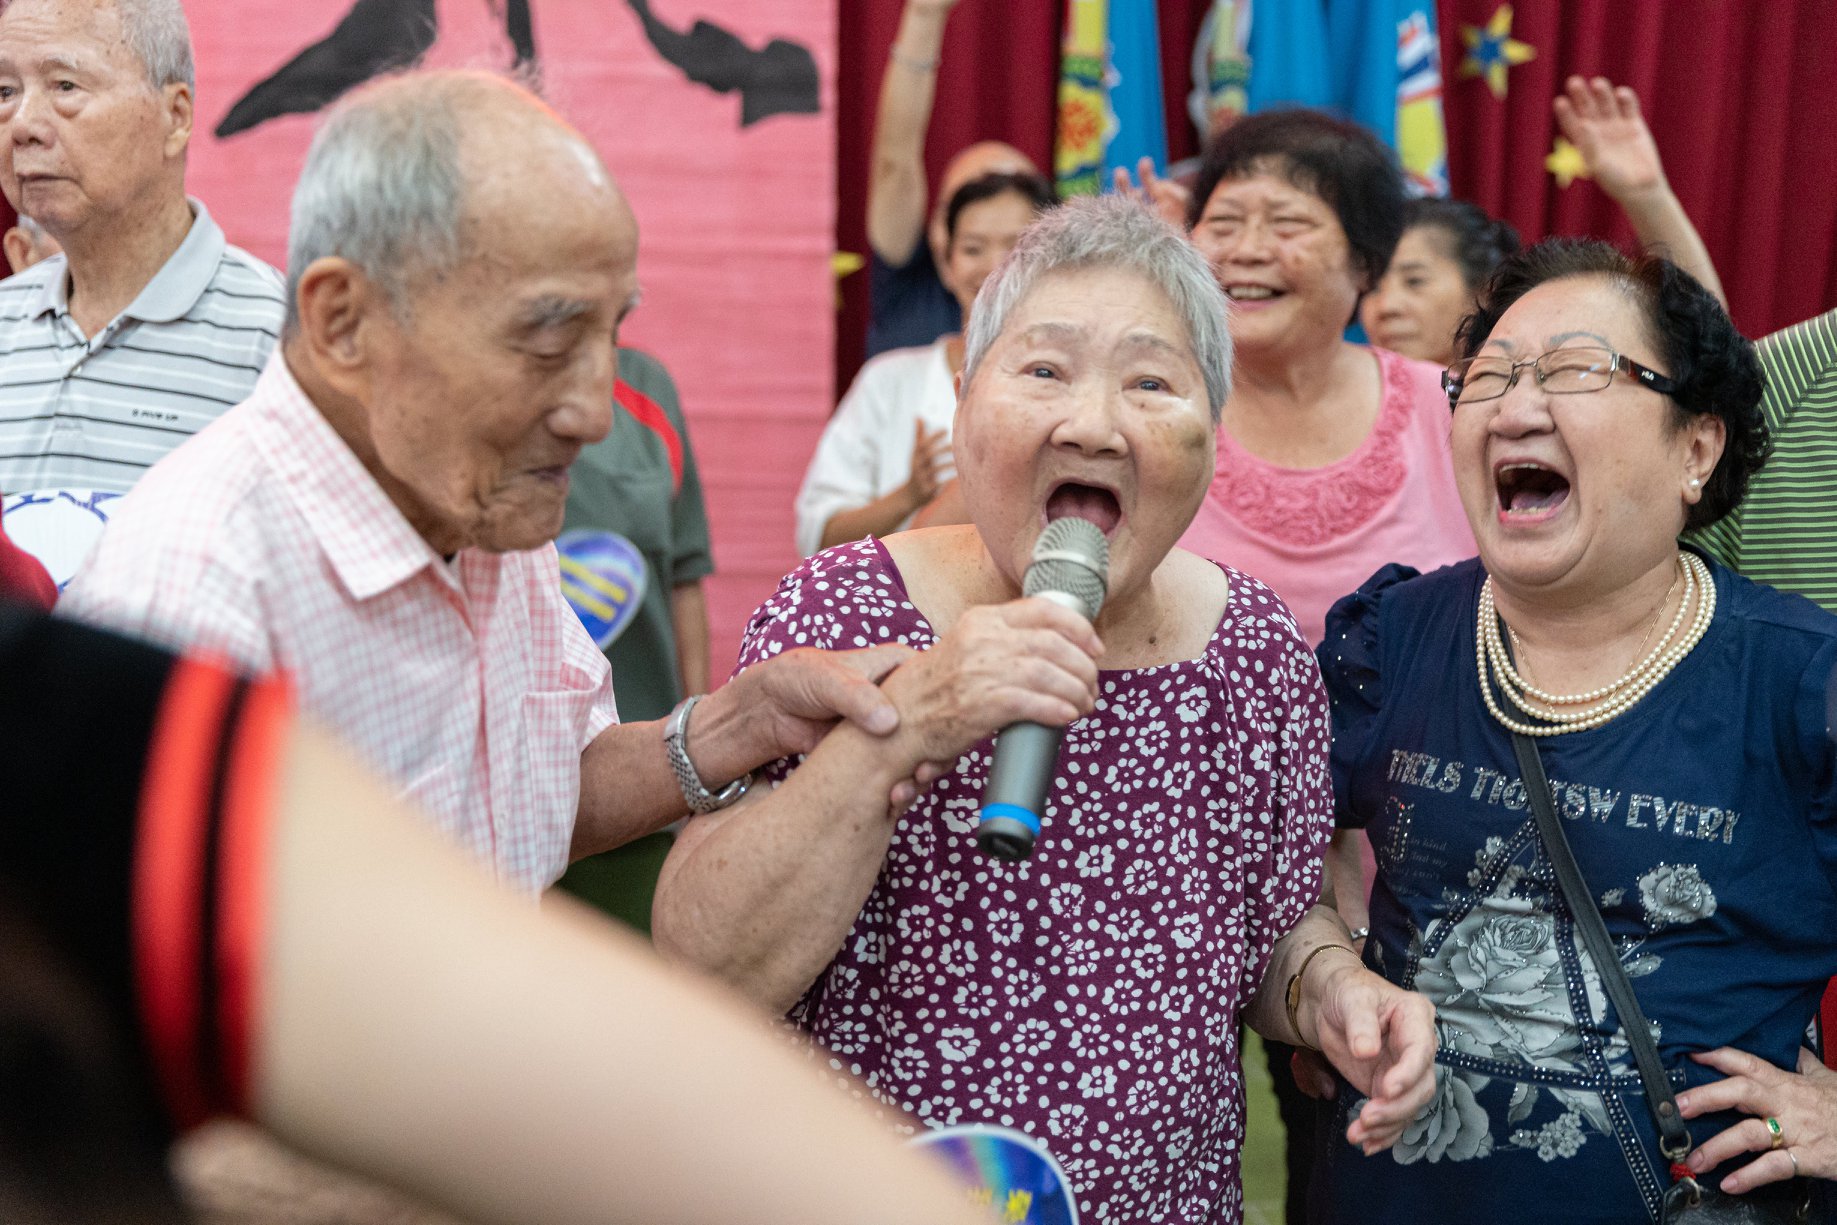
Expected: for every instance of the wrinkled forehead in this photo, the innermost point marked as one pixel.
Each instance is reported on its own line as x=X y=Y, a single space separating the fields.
x=36 y=34
x=1077 y=309
x=1595 y=309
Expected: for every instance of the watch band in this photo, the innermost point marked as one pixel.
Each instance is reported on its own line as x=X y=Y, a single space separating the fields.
x=676 y=748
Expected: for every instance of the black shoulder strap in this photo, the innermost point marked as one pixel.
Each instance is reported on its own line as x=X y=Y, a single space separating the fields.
x=1674 y=1137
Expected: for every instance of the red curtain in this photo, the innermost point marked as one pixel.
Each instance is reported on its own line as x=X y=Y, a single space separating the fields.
x=1740 y=96
x=1740 y=100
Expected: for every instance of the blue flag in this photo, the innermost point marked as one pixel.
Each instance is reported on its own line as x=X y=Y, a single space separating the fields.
x=1288 y=61
x=1133 y=82
x=1387 y=60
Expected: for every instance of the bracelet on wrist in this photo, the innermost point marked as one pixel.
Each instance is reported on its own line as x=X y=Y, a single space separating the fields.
x=1293 y=995
x=676 y=748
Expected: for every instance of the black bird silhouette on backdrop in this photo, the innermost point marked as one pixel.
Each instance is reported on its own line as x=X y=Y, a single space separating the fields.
x=379 y=36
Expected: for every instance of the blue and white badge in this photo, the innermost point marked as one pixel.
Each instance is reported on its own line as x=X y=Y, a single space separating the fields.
x=1009 y=1173
x=58 y=526
x=603 y=578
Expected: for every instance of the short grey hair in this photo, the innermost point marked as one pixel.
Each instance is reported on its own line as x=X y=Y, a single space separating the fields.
x=1111 y=231
x=160 y=39
x=384 y=186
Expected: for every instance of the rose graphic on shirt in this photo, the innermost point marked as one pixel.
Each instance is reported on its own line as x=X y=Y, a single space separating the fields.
x=1452 y=1127
x=1497 y=983
x=1675 y=894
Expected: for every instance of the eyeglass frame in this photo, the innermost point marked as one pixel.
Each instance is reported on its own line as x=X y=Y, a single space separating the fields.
x=1648 y=377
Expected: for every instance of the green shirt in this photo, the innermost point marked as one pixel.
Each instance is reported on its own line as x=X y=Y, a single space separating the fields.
x=640 y=481
x=1785 y=532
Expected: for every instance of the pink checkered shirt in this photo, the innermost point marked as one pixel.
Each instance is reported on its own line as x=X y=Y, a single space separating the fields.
x=471 y=684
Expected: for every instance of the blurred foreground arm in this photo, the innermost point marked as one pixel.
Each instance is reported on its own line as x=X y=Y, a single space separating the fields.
x=513 y=1064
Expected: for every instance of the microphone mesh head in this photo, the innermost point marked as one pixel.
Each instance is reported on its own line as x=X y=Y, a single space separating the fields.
x=1073 y=557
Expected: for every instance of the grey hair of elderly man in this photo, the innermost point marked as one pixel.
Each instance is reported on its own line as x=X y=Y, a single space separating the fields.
x=383 y=185
x=1115 y=232
x=160 y=39
x=459 y=265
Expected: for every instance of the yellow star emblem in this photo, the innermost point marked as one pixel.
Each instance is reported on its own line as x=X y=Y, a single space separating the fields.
x=843 y=264
x=1492 y=50
x=1566 y=163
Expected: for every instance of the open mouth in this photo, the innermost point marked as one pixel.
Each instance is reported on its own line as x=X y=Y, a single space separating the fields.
x=1529 y=490
x=1251 y=293
x=1092 y=503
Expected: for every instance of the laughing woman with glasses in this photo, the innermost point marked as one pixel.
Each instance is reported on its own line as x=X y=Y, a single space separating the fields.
x=1602 y=406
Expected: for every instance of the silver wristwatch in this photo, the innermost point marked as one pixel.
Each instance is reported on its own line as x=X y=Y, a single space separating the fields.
x=676 y=748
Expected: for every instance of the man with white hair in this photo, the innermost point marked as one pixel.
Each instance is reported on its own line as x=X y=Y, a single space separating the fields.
x=150 y=324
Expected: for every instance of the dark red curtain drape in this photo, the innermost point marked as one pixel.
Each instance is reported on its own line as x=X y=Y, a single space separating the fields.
x=1742 y=98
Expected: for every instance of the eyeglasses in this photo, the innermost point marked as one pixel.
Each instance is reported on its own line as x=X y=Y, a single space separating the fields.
x=1560 y=372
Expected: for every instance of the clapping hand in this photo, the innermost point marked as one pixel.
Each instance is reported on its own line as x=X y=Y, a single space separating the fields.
x=931 y=465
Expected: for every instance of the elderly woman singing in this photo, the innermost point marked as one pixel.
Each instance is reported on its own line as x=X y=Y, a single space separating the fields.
x=1678 y=717
x=1090 y=995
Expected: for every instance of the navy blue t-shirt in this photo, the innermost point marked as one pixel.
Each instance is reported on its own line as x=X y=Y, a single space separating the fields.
x=908 y=305
x=1705 y=822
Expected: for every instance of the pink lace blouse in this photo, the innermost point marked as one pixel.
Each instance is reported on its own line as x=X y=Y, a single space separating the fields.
x=1316 y=534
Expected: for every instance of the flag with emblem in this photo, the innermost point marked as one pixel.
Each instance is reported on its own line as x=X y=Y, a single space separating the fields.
x=1110 y=101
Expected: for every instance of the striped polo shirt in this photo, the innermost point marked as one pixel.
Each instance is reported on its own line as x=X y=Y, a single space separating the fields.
x=1785 y=531
x=93 y=413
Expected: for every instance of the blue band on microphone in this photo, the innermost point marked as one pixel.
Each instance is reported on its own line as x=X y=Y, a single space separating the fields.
x=1013 y=812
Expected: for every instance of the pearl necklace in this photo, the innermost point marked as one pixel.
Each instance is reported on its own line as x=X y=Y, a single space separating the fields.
x=1607 y=701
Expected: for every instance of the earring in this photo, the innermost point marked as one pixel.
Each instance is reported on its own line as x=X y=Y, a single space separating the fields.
x=1695 y=483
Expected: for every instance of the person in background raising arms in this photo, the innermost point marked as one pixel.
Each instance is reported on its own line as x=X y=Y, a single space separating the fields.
x=1450 y=247
x=909 y=302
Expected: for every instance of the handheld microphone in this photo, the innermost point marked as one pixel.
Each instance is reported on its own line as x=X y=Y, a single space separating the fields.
x=1071 y=567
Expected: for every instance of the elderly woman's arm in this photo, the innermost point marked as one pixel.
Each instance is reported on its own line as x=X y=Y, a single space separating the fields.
x=1379 y=1036
x=1804 y=1103
x=763 y=894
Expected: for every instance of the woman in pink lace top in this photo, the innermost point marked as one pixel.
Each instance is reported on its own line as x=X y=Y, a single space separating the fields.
x=1332 y=457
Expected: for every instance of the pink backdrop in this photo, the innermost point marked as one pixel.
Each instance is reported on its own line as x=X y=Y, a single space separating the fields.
x=737 y=224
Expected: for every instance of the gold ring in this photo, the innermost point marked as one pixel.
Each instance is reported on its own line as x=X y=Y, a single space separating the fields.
x=1777 y=1132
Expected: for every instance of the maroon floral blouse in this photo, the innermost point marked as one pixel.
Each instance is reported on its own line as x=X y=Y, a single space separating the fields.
x=1089 y=995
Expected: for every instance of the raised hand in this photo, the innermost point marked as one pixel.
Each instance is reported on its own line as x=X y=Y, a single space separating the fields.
x=1167 y=198
x=1602 y=120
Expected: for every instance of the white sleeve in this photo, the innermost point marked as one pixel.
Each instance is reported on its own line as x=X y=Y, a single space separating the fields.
x=844 y=474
